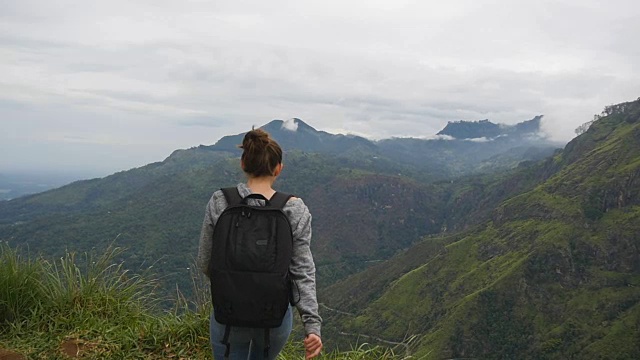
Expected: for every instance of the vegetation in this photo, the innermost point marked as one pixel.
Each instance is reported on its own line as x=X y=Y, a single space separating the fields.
x=539 y=262
x=92 y=308
x=552 y=274
x=151 y=209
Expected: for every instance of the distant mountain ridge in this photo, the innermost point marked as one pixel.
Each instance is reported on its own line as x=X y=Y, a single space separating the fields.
x=503 y=146
x=488 y=130
x=296 y=134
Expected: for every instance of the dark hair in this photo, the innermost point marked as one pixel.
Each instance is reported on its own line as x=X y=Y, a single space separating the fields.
x=261 y=153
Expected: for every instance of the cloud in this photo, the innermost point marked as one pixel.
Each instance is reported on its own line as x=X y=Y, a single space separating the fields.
x=444 y=137
x=158 y=73
x=480 y=139
x=290 y=125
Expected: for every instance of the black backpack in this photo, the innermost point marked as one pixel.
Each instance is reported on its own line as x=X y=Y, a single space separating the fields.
x=249 y=267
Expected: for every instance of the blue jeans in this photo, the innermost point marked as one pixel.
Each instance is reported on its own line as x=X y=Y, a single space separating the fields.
x=248 y=343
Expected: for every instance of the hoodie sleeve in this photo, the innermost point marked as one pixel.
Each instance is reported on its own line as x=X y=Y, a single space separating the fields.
x=303 y=270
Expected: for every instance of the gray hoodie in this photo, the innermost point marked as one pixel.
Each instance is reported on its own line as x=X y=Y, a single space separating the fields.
x=302 y=268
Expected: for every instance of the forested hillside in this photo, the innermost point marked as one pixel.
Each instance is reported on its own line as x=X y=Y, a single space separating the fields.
x=366 y=202
x=553 y=274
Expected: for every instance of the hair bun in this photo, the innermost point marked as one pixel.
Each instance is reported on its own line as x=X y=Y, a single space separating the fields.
x=261 y=154
x=259 y=136
x=255 y=140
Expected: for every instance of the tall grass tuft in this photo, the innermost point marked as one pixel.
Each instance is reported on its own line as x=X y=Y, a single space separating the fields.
x=103 y=286
x=20 y=290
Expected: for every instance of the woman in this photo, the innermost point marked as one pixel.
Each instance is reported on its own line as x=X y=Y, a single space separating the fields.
x=262 y=163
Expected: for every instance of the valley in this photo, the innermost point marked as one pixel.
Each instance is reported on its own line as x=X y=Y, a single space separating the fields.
x=508 y=247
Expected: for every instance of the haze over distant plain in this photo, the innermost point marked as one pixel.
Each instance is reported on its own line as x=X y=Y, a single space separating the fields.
x=106 y=86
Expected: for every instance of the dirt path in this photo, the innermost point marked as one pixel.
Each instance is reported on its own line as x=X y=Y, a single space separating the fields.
x=336 y=310
x=71 y=348
x=10 y=355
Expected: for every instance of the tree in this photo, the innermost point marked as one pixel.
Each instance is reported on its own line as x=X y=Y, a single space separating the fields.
x=584 y=127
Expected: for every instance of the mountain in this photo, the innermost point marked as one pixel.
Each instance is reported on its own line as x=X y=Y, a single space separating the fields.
x=488 y=130
x=156 y=211
x=367 y=204
x=296 y=134
x=445 y=158
x=553 y=273
x=471 y=148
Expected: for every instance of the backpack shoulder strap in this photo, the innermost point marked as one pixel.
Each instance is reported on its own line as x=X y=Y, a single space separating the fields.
x=232 y=195
x=278 y=200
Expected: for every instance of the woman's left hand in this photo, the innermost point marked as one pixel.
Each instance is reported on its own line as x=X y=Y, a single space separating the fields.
x=312 y=346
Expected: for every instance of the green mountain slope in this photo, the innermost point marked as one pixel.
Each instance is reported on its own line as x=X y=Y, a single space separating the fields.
x=554 y=274
x=156 y=211
x=366 y=205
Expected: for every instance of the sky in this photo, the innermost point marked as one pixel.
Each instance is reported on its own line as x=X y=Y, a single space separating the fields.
x=97 y=87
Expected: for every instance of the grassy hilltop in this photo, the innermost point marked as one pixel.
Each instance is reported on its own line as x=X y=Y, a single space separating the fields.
x=91 y=308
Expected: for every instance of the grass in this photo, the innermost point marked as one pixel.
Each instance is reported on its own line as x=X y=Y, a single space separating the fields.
x=91 y=307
